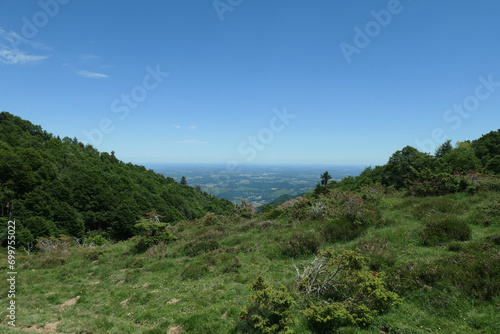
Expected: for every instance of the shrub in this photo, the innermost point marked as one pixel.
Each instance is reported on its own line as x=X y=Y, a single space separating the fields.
x=475 y=273
x=342 y=229
x=93 y=254
x=203 y=243
x=379 y=253
x=455 y=246
x=245 y=210
x=97 y=240
x=55 y=244
x=441 y=230
x=273 y=214
x=51 y=261
x=210 y=219
x=270 y=309
x=485 y=213
x=152 y=232
x=301 y=243
x=261 y=225
x=341 y=292
x=429 y=183
x=317 y=210
x=495 y=239
x=145 y=242
x=431 y=206
x=195 y=270
x=158 y=251
x=297 y=208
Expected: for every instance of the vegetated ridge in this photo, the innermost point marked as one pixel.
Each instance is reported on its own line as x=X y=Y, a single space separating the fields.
x=56 y=186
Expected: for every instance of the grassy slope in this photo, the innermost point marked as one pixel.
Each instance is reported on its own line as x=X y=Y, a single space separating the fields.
x=187 y=286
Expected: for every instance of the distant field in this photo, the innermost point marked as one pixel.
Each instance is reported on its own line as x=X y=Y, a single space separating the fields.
x=257 y=184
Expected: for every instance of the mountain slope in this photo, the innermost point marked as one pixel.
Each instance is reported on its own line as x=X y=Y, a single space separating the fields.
x=52 y=186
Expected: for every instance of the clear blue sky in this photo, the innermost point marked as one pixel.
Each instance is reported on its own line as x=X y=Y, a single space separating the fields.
x=357 y=79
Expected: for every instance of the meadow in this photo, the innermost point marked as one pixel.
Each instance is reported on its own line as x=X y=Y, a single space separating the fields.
x=438 y=254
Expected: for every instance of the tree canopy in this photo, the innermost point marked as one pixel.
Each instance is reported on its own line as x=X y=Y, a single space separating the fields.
x=53 y=186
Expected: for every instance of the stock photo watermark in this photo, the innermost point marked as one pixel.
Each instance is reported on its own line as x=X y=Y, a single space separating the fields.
x=125 y=103
x=12 y=273
x=223 y=6
x=49 y=9
x=363 y=36
x=454 y=116
x=248 y=149
x=31 y=26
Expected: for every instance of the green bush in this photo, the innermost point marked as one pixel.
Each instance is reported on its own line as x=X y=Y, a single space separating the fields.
x=210 y=219
x=261 y=225
x=97 y=240
x=429 y=183
x=195 y=269
x=51 y=261
x=152 y=232
x=145 y=242
x=441 y=230
x=273 y=214
x=495 y=239
x=204 y=242
x=297 y=208
x=378 y=252
x=341 y=292
x=94 y=254
x=342 y=229
x=486 y=213
x=475 y=273
x=432 y=206
x=301 y=243
x=270 y=309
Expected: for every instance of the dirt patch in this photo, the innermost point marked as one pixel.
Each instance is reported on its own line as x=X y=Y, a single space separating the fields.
x=145 y=285
x=175 y=330
x=48 y=328
x=70 y=302
x=224 y=316
x=120 y=283
x=124 y=303
x=50 y=293
x=173 y=301
x=94 y=283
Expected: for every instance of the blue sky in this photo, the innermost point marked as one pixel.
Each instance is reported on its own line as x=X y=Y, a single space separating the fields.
x=239 y=81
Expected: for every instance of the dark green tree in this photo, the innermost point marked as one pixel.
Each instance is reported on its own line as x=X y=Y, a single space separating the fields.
x=183 y=180
x=461 y=159
x=325 y=177
x=443 y=149
x=403 y=166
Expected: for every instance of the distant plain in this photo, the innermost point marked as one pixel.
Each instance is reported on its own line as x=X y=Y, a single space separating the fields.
x=256 y=184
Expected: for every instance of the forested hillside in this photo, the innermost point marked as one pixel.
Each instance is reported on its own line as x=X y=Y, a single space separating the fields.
x=463 y=167
x=55 y=186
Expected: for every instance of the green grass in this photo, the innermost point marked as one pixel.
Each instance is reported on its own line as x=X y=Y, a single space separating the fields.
x=200 y=282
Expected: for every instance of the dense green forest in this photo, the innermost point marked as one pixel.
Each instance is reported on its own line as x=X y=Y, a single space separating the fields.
x=54 y=186
x=451 y=169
